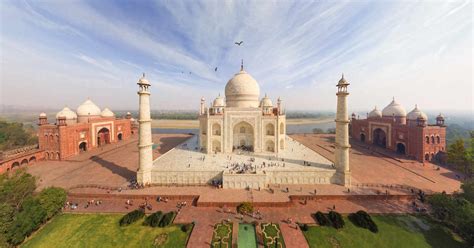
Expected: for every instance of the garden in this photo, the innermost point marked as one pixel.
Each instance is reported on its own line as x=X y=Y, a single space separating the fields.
x=103 y=230
x=222 y=235
x=272 y=237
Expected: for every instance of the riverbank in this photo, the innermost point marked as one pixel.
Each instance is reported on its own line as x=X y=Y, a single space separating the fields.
x=194 y=124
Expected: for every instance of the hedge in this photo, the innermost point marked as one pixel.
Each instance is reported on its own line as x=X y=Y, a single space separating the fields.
x=153 y=219
x=131 y=217
x=322 y=219
x=167 y=219
x=336 y=219
x=362 y=219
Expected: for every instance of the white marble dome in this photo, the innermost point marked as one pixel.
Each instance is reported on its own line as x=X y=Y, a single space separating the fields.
x=375 y=113
x=394 y=109
x=143 y=80
x=43 y=114
x=219 y=102
x=266 y=102
x=107 y=113
x=416 y=113
x=88 y=108
x=242 y=91
x=68 y=113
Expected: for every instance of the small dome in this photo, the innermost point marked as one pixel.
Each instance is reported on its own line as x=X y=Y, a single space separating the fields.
x=415 y=114
x=68 y=113
x=394 y=109
x=219 y=102
x=242 y=90
x=143 y=80
x=342 y=80
x=375 y=113
x=107 y=113
x=43 y=114
x=440 y=117
x=266 y=102
x=88 y=108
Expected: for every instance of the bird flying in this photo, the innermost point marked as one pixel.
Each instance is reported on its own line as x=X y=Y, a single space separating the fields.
x=239 y=43
x=215 y=69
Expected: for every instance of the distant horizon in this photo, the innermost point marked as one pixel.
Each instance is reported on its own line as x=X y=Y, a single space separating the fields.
x=56 y=54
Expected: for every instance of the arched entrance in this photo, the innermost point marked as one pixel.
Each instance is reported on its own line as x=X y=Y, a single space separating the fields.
x=362 y=137
x=270 y=129
x=32 y=160
x=16 y=164
x=216 y=146
x=243 y=136
x=103 y=137
x=380 y=138
x=270 y=146
x=401 y=148
x=82 y=147
x=119 y=136
x=216 y=129
x=24 y=162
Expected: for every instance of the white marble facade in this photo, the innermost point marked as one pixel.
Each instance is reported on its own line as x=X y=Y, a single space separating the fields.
x=241 y=120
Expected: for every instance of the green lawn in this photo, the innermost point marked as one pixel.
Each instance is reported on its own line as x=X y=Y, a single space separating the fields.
x=270 y=232
x=102 y=230
x=394 y=231
x=222 y=232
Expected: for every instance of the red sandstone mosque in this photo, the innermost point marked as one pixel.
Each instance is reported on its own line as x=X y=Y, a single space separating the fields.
x=86 y=129
x=408 y=134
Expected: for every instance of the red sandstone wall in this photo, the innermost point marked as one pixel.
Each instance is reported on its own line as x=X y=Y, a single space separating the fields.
x=31 y=157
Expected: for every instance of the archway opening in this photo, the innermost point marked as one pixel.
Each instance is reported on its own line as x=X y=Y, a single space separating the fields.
x=103 y=137
x=82 y=147
x=216 y=146
x=401 y=148
x=120 y=137
x=32 y=160
x=16 y=164
x=216 y=129
x=24 y=162
x=362 y=137
x=427 y=157
x=282 y=128
x=380 y=138
x=270 y=146
x=270 y=129
x=243 y=136
x=282 y=144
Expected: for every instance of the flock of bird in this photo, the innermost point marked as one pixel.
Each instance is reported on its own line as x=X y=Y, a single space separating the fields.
x=215 y=69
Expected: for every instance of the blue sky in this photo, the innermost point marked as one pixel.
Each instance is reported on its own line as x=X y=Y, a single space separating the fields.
x=56 y=53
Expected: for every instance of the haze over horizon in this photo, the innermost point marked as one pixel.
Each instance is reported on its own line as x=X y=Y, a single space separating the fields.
x=55 y=54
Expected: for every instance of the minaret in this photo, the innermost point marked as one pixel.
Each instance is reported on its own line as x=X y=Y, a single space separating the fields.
x=203 y=103
x=343 y=172
x=280 y=111
x=144 y=140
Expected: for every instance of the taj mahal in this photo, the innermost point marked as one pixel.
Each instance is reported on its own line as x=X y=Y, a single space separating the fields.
x=242 y=143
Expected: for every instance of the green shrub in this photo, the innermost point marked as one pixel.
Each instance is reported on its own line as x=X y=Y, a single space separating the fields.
x=336 y=219
x=31 y=216
x=52 y=199
x=363 y=219
x=153 y=219
x=245 y=207
x=187 y=227
x=304 y=227
x=131 y=217
x=167 y=219
x=322 y=219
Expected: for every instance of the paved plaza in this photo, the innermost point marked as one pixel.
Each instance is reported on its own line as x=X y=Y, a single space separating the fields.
x=372 y=172
x=297 y=164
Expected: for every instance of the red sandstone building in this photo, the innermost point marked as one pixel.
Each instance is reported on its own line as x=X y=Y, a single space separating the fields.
x=408 y=134
x=86 y=129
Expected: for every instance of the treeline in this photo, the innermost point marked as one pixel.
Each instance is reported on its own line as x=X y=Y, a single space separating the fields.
x=21 y=211
x=455 y=132
x=307 y=115
x=456 y=211
x=461 y=155
x=14 y=135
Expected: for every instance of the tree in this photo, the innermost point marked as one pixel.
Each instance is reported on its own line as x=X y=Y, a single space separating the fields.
x=457 y=156
x=245 y=208
x=15 y=187
x=52 y=199
x=318 y=130
x=468 y=190
x=31 y=216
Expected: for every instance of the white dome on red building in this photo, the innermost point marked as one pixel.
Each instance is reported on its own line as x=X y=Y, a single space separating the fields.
x=107 y=113
x=415 y=114
x=88 y=108
x=67 y=113
x=242 y=91
x=394 y=109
